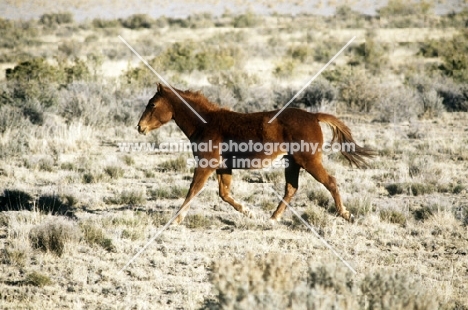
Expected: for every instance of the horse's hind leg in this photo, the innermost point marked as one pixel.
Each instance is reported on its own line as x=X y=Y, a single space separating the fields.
x=316 y=169
x=224 y=180
x=291 y=174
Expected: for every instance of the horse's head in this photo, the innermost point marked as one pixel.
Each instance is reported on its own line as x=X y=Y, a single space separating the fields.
x=158 y=112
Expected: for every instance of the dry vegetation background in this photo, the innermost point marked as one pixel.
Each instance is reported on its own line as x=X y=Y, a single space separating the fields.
x=75 y=208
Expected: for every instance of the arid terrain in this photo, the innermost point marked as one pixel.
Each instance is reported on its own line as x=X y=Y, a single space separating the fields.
x=76 y=207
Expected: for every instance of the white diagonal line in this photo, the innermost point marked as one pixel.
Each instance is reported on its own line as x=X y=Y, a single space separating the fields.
x=156 y=235
x=162 y=79
x=315 y=232
x=312 y=79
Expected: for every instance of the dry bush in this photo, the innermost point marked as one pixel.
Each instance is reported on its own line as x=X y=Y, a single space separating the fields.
x=393 y=216
x=37 y=279
x=94 y=235
x=278 y=281
x=398 y=104
x=318 y=218
x=53 y=235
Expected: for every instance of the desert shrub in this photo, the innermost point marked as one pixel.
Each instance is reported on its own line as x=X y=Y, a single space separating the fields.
x=390 y=290
x=92 y=177
x=94 y=235
x=15 y=35
x=93 y=105
x=396 y=188
x=16 y=200
x=454 y=96
x=278 y=281
x=405 y=14
x=360 y=206
x=179 y=164
x=424 y=212
x=284 y=68
x=299 y=53
x=247 y=20
x=232 y=87
x=392 y=216
x=54 y=19
x=53 y=235
x=319 y=197
x=105 y=23
x=128 y=160
x=350 y=18
x=421 y=189
x=358 y=91
x=129 y=197
x=250 y=282
x=313 y=97
x=14 y=255
x=193 y=221
x=172 y=192
x=432 y=103
x=318 y=218
x=453 y=53
x=189 y=56
x=325 y=50
x=37 y=279
x=114 y=172
x=399 y=104
x=55 y=205
x=371 y=54
x=36 y=69
x=137 y=21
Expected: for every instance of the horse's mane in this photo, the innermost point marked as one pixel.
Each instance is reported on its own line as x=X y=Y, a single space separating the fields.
x=198 y=98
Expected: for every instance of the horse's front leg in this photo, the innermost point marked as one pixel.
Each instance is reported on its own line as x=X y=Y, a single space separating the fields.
x=200 y=177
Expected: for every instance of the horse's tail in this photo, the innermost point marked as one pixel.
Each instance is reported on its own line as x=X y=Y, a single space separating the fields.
x=354 y=153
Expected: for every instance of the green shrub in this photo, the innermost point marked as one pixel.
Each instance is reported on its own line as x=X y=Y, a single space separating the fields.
x=393 y=216
x=372 y=54
x=193 y=221
x=179 y=164
x=299 y=53
x=54 y=19
x=247 y=20
x=360 y=206
x=94 y=235
x=318 y=218
x=105 y=23
x=284 y=68
x=129 y=197
x=421 y=189
x=424 y=212
x=189 y=56
x=114 y=172
x=37 y=279
x=137 y=21
x=172 y=192
x=395 y=189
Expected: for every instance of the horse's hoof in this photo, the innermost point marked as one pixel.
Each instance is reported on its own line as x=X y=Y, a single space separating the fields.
x=273 y=221
x=351 y=218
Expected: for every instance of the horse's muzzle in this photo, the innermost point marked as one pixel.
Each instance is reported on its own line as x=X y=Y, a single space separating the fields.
x=141 y=130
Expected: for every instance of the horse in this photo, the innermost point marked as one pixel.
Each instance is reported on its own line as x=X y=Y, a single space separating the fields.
x=206 y=123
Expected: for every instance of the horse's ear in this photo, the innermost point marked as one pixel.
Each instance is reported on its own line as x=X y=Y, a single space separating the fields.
x=160 y=88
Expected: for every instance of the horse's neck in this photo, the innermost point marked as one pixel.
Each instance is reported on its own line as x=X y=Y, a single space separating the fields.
x=185 y=118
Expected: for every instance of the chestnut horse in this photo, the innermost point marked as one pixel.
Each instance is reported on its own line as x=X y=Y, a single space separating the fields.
x=218 y=125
